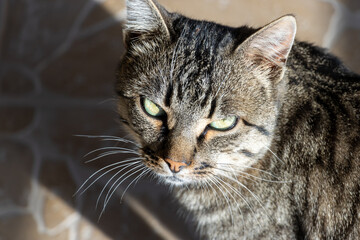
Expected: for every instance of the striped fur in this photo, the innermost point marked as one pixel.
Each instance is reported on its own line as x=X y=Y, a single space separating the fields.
x=289 y=169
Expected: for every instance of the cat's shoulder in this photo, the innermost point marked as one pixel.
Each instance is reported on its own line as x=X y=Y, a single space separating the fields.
x=315 y=65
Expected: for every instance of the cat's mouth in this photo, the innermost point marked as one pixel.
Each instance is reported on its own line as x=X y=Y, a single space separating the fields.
x=172 y=172
x=174 y=180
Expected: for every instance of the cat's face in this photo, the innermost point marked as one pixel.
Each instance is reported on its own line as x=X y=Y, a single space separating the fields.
x=200 y=103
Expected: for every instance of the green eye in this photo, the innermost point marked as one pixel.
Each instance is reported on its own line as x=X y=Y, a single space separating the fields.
x=224 y=124
x=152 y=109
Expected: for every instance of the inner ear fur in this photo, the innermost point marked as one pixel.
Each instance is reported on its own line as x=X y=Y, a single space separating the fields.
x=146 y=20
x=269 y=47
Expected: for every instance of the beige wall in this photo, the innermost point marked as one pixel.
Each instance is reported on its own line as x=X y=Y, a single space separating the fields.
x=57 y=61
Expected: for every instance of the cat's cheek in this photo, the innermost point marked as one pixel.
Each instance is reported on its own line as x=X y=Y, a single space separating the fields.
x=227 y=162
x=132 y=133
x=158 y=166
x=146 y=131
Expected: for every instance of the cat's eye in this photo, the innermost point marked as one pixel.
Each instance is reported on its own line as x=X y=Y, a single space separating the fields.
x=224 y=124
x=152 y=108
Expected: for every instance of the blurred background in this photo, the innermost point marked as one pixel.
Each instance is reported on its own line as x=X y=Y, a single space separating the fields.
x=57 y=64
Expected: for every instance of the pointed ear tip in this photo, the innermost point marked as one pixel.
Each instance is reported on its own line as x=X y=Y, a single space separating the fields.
x=128 y=1
x=290 y=19
x=134 y=1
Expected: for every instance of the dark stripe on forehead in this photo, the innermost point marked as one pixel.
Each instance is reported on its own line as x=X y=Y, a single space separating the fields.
x=261 y=129
x=197 y=53
x=169 y=93
x=179 y=92
x=212 y=108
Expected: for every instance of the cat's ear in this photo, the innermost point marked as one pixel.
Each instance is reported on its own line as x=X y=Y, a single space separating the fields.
x=270 y=46
x=145 y=19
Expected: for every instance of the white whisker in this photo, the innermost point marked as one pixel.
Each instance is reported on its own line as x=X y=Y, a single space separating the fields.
x=110 y=153
x=208 y=184
x=237 y=204
x=110 y=170
x=106 y=167
x=250 y=176
x=235 y=200
x=274 y=154
x=135 y=180
x=112 y=177
x=113 y=148
x=108 y=197
x=106 y=137
x=239 y=194
x=119 y=140
x=226 y=198
x=252 y=194
x=248 y=167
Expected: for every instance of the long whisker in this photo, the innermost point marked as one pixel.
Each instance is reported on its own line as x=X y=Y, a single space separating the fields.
x=110 y=170
x=219 y=180
x=236 y=191
x=258 y=169
x=112 y=188
x=120 y=139
x=107 y=198
x=106 y=167
x=250 y=175
x=143 y=173
x=109 y=148
x=252 y=194
x=111 y=153
x=225 y=197
x=234 y=174
x=209 y=185
x=239 y=194
x=112 y=177
x=274 y=154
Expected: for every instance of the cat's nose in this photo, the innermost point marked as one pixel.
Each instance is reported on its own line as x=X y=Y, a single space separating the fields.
x=175 y=166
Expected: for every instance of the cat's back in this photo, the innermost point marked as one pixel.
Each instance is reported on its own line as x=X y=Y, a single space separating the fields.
x=317 y=79
x=323 y=98
x=316 y=69
x=320 y=123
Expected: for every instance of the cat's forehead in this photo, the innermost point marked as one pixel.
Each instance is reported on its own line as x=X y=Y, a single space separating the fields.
x=195 y=62
x=193 y=70
x=200 y=35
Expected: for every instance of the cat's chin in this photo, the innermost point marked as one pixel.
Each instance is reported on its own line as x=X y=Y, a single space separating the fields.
x=173 y=180
x=176 y=181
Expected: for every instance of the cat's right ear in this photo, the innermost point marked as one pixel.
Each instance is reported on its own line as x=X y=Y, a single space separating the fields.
x=146 y=20
x=268 y=48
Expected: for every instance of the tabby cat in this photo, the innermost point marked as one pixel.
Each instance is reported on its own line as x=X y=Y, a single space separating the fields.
x=258 y=134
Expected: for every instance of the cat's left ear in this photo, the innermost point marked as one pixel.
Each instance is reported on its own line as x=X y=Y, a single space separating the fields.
x=145 y=20
x=269 y=48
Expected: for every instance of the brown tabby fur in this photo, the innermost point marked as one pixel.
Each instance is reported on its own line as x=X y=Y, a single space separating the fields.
x=289 y=169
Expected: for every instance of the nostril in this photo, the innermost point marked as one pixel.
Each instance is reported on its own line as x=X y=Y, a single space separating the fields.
x=181 y=167
x=175 y=166
x=168 y=163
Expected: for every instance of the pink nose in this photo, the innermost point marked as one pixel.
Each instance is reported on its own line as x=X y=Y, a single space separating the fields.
x=174 y=166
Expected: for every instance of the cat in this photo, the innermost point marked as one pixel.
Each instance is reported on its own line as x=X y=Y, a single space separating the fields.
x=258 y=134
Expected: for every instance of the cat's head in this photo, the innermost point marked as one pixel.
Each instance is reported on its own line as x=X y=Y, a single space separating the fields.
x=201 y=99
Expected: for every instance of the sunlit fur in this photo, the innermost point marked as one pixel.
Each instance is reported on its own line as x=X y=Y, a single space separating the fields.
x=288 y=169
